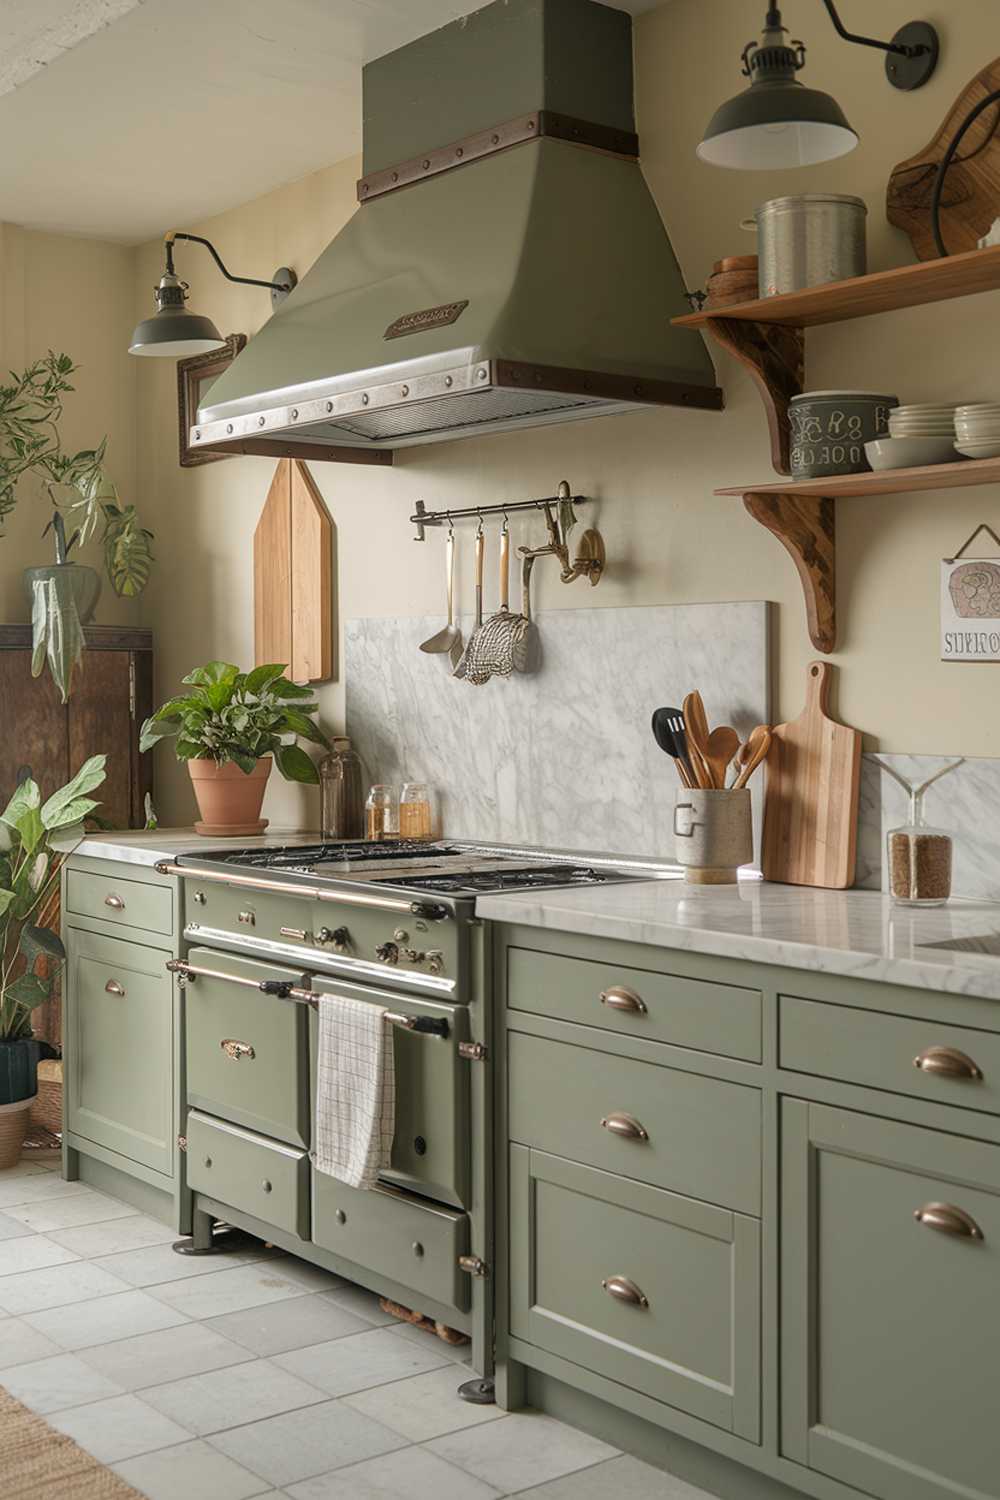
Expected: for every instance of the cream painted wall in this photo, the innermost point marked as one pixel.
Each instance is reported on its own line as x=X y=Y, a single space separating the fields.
x=652 y=474
x=75 y=296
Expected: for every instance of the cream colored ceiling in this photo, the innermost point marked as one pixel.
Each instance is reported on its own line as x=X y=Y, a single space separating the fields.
x=121 y=118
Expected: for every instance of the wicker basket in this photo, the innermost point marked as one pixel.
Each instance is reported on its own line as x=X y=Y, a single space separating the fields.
x=46 y=1107
x=13 y=1126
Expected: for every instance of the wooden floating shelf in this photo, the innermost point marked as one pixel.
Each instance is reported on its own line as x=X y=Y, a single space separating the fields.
x=928 y=281
x=766 y=336
x=801 y=514
x=956 y=476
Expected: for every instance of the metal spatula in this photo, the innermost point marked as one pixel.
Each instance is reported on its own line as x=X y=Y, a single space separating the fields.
x=466 y=659
x=450 y=638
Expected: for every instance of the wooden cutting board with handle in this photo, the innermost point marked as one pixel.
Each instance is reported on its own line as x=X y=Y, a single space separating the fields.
x=813 y=785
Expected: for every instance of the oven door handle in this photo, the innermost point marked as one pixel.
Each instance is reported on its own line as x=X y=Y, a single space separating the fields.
x=430 y=911
x=285 y=989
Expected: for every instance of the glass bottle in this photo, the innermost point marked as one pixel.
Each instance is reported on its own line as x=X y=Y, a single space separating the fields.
x=381 y=812
x=416 y=811
x=341 y=795
x=919 y=856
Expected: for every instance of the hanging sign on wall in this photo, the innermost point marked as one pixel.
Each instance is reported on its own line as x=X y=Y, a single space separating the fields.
x=970 y=604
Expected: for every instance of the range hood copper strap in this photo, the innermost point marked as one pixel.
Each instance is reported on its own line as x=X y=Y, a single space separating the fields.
x=530 y=127
x=425 y=909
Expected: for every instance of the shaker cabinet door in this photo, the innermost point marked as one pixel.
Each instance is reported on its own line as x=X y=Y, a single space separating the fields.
x=890 y=1305
x=119 y=1050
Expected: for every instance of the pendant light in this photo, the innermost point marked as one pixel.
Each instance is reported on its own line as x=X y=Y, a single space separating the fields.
x=174 y=332
x=777 y=122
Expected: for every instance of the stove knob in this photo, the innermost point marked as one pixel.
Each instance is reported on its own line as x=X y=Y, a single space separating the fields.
x=338 y=939
x=387 y=953
x=435 y=960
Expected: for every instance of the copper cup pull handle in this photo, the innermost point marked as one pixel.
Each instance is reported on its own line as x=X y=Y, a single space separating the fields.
x=947 y=1219
x=236 y=1050
x=625 y=1290
x=626 y=1126
x=948 y=1062
x=620 y=997
x=114 y=988
x=115 y=902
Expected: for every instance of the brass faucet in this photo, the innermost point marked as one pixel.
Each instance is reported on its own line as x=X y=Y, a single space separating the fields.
x=590 y=559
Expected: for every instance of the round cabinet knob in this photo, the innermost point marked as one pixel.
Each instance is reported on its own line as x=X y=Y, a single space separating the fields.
x=387 y=953
x=417 y=1248
x=199 y=898
x=266 y=1185
x=340 y=1216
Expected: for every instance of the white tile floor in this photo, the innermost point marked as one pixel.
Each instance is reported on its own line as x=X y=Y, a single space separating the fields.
x=255 y=1374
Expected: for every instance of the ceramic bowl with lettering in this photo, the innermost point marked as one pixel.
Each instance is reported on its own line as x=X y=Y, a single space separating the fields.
x=829 y=430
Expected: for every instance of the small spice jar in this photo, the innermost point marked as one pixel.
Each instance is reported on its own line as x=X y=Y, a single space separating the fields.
x=382 y=812
x=920 y=859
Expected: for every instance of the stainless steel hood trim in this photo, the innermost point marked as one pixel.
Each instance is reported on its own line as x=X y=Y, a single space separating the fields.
x=593 y=387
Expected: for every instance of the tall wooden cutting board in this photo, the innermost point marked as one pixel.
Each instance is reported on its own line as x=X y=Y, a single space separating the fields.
x=813 y=785
x=293 y=576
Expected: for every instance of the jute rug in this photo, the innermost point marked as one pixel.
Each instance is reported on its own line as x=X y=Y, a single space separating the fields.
x=38 y=1463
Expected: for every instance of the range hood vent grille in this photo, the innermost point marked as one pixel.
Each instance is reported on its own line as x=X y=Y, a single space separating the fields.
x=474 y=409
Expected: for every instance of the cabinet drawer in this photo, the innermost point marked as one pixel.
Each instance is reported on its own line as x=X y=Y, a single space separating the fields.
x=890 y=1314
x=702 y=1136
x=247 y=1172
x=700 y=1014
x=126 y=903
x=956 y=1066
x=411 y=1243
x=684 y=1328
x=118 y=1031
x=247 y=1052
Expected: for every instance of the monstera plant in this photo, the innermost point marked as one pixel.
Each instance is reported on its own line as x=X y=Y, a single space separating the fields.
x=31 y=954
x=76 y=486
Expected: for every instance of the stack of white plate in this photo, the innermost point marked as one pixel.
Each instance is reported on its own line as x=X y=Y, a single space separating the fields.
x=922 y=421
x=977 y=429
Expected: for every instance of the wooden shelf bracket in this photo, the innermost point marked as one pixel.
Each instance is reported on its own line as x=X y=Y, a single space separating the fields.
x=805 y=525
x=774 y=354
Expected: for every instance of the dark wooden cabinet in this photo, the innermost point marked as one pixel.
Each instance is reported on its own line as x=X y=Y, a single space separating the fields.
x=112 y=694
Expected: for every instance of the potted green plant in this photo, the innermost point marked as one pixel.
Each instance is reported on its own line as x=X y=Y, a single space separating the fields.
x=63 y=595
x=31 y=955
x=231 y=728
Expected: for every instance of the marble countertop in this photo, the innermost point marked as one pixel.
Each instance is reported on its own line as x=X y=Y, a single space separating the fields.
x=144 y=848
x=831 y=932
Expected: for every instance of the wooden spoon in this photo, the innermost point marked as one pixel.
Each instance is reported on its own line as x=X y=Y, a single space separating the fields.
x=721 y=746
x=750 y=754
x=696 y=730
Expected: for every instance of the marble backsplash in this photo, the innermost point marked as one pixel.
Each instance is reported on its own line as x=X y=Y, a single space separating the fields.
x=564 y=757
x=965 y=803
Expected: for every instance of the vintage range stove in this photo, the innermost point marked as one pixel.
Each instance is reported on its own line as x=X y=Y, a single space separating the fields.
x=268 y=932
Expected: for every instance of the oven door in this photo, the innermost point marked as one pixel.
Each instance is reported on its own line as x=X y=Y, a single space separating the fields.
x=431 y=1152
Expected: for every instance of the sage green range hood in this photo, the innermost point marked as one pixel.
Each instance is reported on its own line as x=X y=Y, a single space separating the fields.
x=507 y=265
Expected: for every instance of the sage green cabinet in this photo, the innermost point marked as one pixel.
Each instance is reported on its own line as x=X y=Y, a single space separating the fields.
x=890 y=1275
x=118 y=1030
x=247 y=1171
x=656 y=1291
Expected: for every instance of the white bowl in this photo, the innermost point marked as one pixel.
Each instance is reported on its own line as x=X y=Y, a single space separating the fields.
x=980 y=450
x=920 y=428
x=910 y=453
x=925 y=410
x=984 y=409
x=978 y=434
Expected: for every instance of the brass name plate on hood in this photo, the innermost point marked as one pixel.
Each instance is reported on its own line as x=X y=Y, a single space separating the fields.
x=427 y=318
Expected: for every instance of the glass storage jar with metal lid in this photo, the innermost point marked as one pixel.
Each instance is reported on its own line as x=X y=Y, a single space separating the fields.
x=341 y=792
x=382 y=812
x=416 y=811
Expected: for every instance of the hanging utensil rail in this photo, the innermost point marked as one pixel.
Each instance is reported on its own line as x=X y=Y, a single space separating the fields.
x=424 y=517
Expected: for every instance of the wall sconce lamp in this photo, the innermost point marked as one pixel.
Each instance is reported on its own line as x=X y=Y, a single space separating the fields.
x=777 y=122
x=173 y=331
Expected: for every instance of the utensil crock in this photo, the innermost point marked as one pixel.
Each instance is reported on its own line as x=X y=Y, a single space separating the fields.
x=713 y=834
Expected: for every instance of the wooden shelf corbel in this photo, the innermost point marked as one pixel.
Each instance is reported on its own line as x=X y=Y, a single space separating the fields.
x=805 y=525
x=774 y=354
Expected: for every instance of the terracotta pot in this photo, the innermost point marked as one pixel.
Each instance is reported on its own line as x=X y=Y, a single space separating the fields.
x=228 y=799
x=13 y=1129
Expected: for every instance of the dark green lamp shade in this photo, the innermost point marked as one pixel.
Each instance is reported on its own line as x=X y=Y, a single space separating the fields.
x=776 y=124
x=175 y=333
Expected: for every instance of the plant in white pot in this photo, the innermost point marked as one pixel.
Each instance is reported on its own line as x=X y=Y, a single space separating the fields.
x=31 y=954
x=231 y=728
x=63 y=595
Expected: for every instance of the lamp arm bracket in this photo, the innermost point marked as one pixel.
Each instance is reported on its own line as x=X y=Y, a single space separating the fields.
x=901 y=50
x=197 y=239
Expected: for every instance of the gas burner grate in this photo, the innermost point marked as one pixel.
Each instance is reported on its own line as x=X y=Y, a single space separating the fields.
x=541 y=877
x=301 y=858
